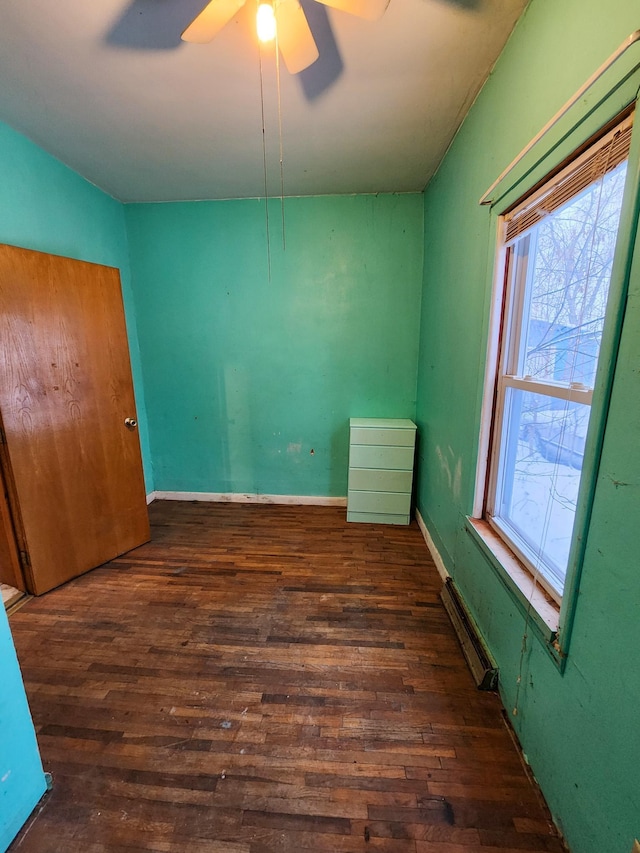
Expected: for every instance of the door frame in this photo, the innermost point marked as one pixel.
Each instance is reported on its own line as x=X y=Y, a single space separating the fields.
x=10 y=546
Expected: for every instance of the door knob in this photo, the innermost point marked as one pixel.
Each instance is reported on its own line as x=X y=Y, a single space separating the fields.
x=130 y=423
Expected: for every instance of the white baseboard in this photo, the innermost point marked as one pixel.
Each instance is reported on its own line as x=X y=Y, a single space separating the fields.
x=151 y=497
x=431 y=545
x=242 y=498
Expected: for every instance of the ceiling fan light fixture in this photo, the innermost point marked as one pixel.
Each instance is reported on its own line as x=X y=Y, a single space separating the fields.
x=284 y=19
x=266 y=22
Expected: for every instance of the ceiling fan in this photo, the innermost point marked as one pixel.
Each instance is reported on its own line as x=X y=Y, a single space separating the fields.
x=294 y=38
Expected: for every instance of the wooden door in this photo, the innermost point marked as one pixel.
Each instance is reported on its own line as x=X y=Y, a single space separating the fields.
x=74 y=469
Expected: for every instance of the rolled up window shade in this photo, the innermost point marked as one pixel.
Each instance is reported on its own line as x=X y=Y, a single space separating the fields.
x=601 y=158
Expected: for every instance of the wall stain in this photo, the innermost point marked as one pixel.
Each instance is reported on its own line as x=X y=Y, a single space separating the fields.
x=453 y=477
x=618 y=483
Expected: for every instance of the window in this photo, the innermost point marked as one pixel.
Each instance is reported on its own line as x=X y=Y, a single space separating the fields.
x=558 y=247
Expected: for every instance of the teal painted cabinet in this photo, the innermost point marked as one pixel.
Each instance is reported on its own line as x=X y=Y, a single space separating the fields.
x=22 y=780
x=380 y=470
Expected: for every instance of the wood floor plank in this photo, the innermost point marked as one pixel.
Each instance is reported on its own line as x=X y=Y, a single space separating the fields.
x=266 y=679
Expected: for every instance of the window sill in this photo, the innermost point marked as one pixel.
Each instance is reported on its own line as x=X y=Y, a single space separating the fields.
x=544 y=612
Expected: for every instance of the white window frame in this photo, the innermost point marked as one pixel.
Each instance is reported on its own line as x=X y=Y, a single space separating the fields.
x=508 y=377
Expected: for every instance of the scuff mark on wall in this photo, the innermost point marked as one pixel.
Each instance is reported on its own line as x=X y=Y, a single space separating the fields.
x=618 y=483
x=292 y=447
x=457 y=478
x=451 y=471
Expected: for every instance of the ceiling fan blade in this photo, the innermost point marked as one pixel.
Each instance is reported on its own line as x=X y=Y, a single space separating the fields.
x=211 y=20
x=371 y=10
x=295 y=40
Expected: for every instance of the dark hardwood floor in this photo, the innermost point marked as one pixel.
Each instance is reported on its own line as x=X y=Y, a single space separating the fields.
x=263 y=679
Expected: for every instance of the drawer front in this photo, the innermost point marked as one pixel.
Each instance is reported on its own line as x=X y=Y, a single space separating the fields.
x=377 y=518
x=379 y=480
x=393 y=437
x=374 y=456
x=393 y=503
x=382 y=423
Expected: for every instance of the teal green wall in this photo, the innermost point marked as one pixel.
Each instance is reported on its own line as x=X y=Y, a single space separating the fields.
x=250 y=382
x=22 y=781
x=581 y=729
x=47 y=207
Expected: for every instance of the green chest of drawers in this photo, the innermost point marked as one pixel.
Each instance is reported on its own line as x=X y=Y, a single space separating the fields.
x=380 y=470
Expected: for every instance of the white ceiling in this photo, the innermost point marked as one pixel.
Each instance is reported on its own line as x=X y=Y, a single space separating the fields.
x=108 y=87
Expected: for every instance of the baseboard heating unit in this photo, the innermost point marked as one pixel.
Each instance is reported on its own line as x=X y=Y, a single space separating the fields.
x=483 y=668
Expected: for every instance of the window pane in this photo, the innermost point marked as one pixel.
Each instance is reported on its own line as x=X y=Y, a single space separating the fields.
x=569 y=272
x=543 y=449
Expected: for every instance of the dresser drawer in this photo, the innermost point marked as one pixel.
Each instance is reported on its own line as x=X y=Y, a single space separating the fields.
x=380 y=480
x=393 y=437
x=393 y=503
x=375 y=456
x=377 y=518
